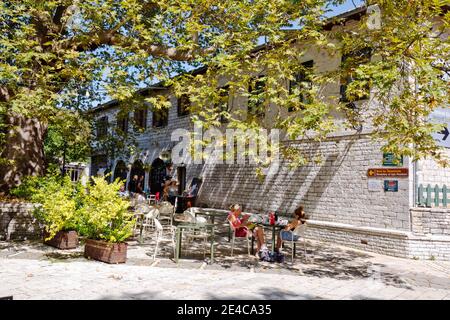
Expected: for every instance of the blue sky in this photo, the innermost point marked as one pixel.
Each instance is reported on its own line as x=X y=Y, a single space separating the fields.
x=349 y=5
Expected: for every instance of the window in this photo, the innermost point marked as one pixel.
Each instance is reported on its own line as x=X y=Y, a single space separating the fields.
x=302 y=82
x=222 y=105
x=256 y=99
x=183 y=105
x=140 y=118
x=349 y=63
x=102 y=127
x=122 y=123
x=160 y=118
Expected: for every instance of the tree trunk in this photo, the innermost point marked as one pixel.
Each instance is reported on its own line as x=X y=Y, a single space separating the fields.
x=24 y=147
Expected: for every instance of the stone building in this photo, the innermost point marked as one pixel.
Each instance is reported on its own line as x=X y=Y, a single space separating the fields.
x=355 y=197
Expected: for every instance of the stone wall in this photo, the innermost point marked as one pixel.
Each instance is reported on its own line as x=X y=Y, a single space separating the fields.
x=17 y=222
x=335 y=190
x=384 y=241
x=431 y=221
x=429 y=172
x=391 y=242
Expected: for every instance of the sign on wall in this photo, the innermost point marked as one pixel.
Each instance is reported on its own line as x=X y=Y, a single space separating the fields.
x=391 y=185
x=443 y=137
x=390 y=160
x=387 y=172
x=374 y=185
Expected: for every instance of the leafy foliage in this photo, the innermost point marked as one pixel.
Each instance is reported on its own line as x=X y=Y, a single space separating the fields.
x=95 y=211
x=58 y=202
x=68 y=136
x=105 y=215
x=53 y=53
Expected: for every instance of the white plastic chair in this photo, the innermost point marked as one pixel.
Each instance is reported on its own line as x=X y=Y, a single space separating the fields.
x=248 y=236
x=140 y=210
x=148 y=223
x=167 y=211
x=152 y=199
x=300 y=232
x=159 y=236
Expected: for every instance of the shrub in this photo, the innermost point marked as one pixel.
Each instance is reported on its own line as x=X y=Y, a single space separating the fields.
x=31 y=185
x=57 y=202
x=104 y=214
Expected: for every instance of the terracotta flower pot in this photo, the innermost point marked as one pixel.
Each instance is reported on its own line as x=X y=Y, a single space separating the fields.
x=105 y=251
x=63 y=240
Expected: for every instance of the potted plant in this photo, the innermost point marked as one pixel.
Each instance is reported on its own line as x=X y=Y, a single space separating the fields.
x=57 y=206
x=106 y=222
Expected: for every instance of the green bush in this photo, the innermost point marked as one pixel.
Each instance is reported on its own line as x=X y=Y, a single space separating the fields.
x=31 y=185
x=57 y=202
x=95 y=211
x=104 y=214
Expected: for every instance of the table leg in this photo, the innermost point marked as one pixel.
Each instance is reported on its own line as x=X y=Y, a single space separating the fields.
x=212 y=245
x=253 y=243
x=141 y=229
x=178 y=245
x=273 y=239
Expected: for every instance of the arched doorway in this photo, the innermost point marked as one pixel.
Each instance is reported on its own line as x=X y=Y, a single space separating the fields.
x=157 y=175
x=120 y=171
x=137 y=175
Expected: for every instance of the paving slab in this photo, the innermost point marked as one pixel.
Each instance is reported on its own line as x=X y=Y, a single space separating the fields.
x=31 y=270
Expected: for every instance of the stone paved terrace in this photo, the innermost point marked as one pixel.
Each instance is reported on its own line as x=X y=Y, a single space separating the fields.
x=31 y=270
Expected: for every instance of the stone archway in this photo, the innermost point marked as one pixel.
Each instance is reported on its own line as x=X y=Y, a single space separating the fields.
x=137 y=175
x=120 y=171
x=156 y=176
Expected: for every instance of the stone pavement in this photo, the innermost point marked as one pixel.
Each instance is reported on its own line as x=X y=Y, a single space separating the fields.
x=31 y=270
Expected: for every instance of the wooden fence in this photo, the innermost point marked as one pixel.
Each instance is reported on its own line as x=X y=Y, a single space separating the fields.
x=433 y=196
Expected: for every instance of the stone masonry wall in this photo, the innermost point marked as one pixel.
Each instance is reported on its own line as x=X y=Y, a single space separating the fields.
x=17 y=222
x=389 y=242
x=429 y=172
x=433 y=221
x=335 y=191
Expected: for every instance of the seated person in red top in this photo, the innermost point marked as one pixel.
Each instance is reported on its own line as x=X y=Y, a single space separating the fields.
x=242 y=226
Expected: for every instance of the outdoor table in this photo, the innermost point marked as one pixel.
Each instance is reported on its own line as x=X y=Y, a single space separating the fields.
x=211 y=214
x=195 y=226
x=262 y=221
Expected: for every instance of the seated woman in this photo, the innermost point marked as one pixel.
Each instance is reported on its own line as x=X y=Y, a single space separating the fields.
x=165 y=195
x=242 y=226
x=287 y=234
x=172 y=191
x=123 y=193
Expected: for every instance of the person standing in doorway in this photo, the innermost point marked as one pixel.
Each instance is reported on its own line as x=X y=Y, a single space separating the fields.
x=133 y=184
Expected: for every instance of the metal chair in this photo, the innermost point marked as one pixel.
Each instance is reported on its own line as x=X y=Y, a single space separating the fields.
x=248 y=236
x=196 y=233
x=300 y=233
x=159 y=236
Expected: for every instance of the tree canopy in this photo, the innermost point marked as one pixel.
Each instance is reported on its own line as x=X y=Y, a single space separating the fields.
x=55 y=55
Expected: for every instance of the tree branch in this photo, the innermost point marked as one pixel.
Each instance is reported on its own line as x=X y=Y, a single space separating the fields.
x=59 y=12
x=5 y=94
x=92 y=41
